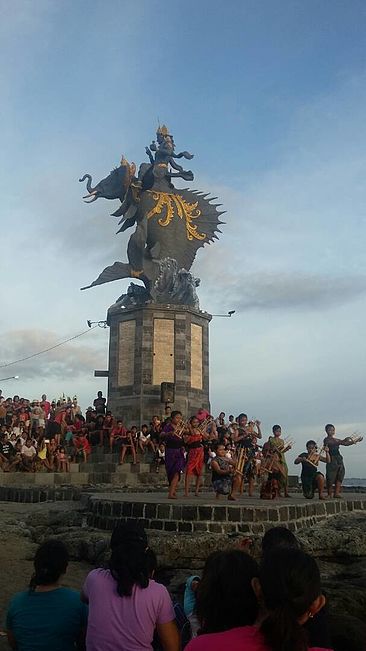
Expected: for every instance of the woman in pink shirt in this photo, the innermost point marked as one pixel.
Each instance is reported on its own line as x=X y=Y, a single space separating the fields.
x=289 y=593
x=125 y=605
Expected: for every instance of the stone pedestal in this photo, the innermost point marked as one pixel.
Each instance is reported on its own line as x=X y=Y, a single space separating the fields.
x=152 y=344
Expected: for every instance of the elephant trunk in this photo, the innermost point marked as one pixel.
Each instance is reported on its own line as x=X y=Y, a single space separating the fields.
x=88 y=185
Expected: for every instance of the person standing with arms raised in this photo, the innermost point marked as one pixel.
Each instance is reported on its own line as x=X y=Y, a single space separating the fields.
x=335 y=468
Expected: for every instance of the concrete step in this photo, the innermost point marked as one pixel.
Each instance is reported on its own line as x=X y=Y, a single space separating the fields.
x=99 y=466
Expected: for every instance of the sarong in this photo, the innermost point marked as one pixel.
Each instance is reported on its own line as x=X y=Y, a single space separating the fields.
x=195 y=461
x=174 y=462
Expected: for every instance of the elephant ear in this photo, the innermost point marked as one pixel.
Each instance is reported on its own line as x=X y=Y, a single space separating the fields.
x=124 y=205
x=128 y=209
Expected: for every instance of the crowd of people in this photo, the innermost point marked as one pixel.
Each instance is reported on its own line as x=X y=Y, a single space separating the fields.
x=43 y=435
x=238 y=457
x=276 y=604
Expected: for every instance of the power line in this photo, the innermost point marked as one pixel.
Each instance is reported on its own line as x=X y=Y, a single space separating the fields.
x=46 y=350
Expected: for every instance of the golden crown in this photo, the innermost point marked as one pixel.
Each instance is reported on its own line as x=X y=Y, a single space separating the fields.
x=163 y=130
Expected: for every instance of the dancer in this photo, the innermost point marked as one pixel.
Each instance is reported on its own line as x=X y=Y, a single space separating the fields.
x=281 y=447
x=195 y=458
x=224 y=479
x=311 y=478
x=335 y=467
x=172 y=436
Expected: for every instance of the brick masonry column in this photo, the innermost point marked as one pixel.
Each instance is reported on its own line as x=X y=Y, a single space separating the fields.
x=152 y=344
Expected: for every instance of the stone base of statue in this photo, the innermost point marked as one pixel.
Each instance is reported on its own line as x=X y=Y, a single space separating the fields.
x=151 y=344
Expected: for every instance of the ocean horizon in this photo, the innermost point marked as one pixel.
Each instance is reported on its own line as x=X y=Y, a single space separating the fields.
x=355 y=481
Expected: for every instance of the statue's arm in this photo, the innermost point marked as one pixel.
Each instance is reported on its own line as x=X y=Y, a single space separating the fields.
x=148 y=151
x=184 y=154
x=175 y=165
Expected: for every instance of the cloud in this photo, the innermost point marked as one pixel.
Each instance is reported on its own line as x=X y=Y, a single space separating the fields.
x=68 y=361
x=281 y=290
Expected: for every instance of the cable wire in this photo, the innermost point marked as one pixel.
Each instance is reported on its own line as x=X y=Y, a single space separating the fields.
x=46 y=350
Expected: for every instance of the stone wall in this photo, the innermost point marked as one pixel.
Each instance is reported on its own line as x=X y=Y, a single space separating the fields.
x=104 y=514
x=170 y=343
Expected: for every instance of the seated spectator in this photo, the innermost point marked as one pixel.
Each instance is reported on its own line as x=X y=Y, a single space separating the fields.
x=317 y=627
x=190 y=602
x=63 y=464
x=160 y=457
x=81 y=446
x=155 y=430
x=279 y=538
x=288 y=589
x=96 y=437
x=144 y=440
x=117 y=434
x=127 y=445
x=42 y=455
x=108 y=425
x=69 y=443
x=53 y=429
x=28 y=455
x=16 y=463
x=6 y=452
x=125 y=604
x=225 y=597
x=47 y=616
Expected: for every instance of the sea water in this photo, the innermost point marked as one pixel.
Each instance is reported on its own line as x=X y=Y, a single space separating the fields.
x=355 y=481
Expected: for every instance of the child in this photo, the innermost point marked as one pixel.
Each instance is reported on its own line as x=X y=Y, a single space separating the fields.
x=190 y=599
x=63 y=464
x=160 y=456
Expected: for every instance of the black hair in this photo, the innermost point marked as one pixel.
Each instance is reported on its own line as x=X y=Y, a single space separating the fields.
x=327 y=427
x=152 y=561
x=279 y=538
x=129 y=564
x=290 y=582
x=50 y=562
x=276 y=428
x=175 y=413
x=225 y=597
x=242 y=416
x=310 y=443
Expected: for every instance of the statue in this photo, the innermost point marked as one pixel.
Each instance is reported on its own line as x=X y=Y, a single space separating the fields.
x=170 y=224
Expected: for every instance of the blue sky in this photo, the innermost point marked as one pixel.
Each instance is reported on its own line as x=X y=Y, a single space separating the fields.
x=271 y=99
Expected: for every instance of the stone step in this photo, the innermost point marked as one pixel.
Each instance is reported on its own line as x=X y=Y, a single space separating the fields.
x=99 y=466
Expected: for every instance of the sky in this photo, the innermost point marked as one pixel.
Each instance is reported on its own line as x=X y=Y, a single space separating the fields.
x=271 y=99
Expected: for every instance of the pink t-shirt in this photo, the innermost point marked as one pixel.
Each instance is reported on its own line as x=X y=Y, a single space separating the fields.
x=123 y=623
x=245 y=638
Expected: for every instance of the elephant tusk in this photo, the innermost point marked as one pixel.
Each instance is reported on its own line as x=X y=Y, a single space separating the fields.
x=92 y=198
x=90 y=194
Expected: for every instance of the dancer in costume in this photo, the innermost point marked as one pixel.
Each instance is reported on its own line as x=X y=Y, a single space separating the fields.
x=224 y=479
x=280 y=446
x=195 y=460
x=311 y=478
x=335 y=468
x=172 y=437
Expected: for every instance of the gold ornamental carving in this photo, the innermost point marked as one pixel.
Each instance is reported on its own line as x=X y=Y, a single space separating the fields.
x=165 y=204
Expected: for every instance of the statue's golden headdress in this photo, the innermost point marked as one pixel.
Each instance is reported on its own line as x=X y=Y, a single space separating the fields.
x=131 y=166
x=162 y=130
